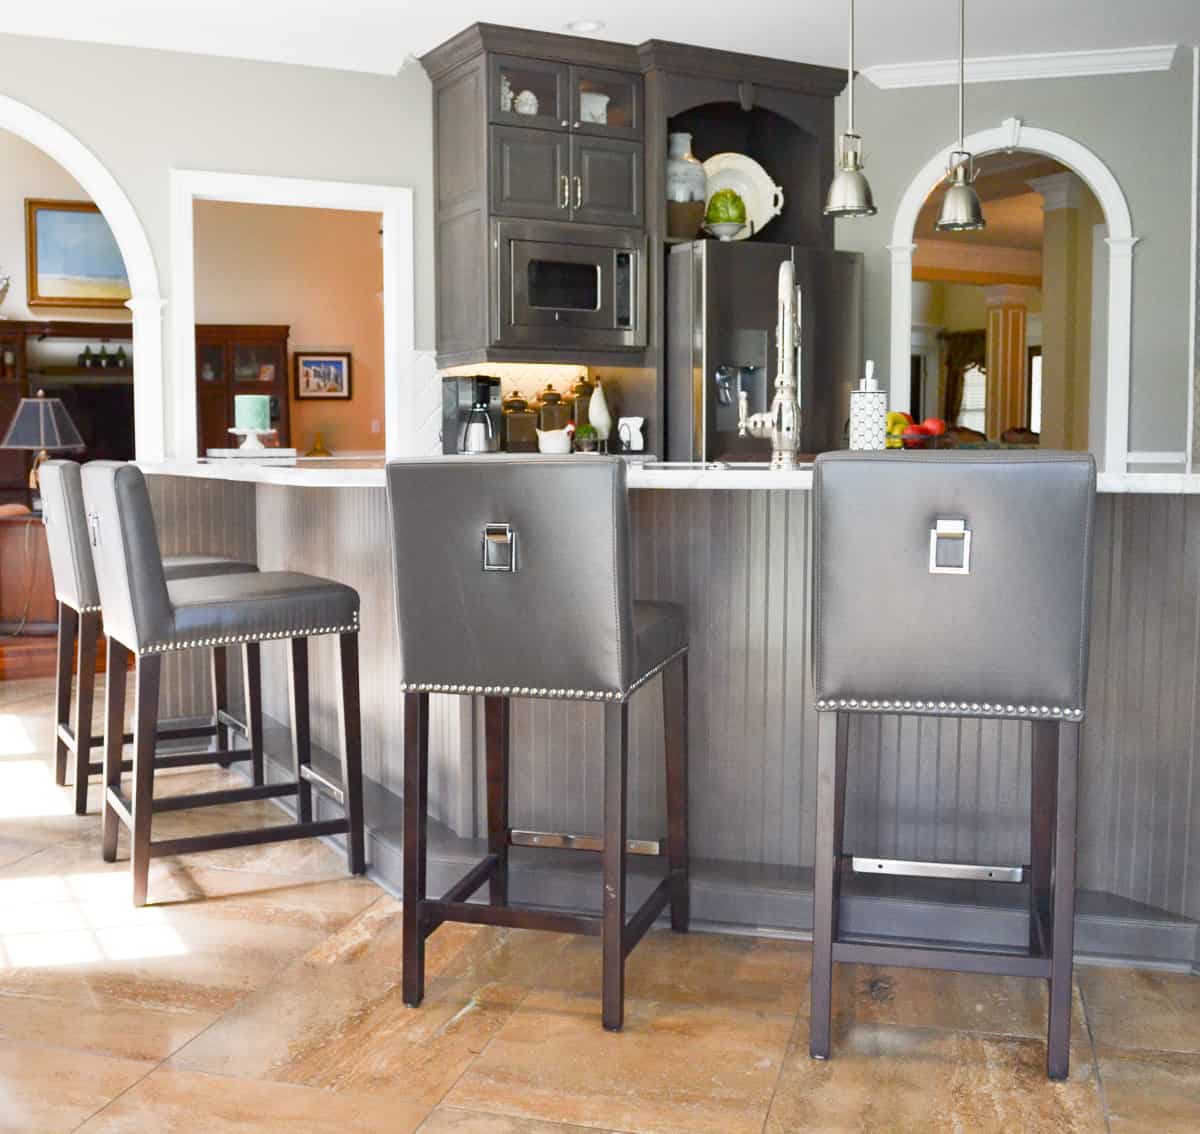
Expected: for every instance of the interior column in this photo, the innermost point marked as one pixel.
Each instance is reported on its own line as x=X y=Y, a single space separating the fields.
x=1007 y=359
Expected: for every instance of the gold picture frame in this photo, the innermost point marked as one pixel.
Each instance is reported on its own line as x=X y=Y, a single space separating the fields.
x=71 y=256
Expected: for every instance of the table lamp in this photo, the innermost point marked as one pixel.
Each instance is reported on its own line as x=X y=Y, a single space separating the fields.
x=41 y=424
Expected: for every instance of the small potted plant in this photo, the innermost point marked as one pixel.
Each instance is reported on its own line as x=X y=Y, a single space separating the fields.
x=586 y=439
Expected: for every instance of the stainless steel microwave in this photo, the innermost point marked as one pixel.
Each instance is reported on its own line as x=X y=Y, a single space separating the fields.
x=569 y=285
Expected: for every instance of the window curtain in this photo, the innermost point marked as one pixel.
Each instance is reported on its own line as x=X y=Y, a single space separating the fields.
x=964 y=349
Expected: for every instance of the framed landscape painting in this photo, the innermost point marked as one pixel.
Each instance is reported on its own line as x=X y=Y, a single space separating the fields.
x=322 y=375
x=71 y=256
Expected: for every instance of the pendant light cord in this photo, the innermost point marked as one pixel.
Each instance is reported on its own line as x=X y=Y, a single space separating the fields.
x=850 y=79
x=962 y=68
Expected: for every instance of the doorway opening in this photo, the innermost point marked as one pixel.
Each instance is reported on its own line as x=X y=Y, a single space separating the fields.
x=1003 y=318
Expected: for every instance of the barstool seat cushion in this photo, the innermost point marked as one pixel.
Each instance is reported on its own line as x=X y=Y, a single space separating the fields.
x=198 y=566
x=217 y=609
x=660 y=631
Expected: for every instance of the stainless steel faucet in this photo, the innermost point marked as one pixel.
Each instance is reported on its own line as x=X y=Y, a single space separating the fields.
x=781 y=423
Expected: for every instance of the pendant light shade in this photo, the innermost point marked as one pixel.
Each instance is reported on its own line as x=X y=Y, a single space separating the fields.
x=850 y=193
x=961 y=208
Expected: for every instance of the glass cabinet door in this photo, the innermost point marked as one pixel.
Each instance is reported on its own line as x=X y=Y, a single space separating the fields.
x=606 y=102
x=210 y=364
x=528 y=92
x=254 y=365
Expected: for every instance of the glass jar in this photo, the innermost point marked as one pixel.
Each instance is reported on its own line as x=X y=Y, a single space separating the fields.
x=577 y=398
x=553 y=412
x=518 y=425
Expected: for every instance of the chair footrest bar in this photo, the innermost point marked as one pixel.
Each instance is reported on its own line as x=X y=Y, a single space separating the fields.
x=187 y=759
x=230 y=721
x=223 y=840
x=636 y=927
x=510 y=917
x=309 y=773
x=471 y=881
x=120 y=804
x=227 y=795
x=556 y=840
x=912 y=868
x=928 y=957
x=96 y=767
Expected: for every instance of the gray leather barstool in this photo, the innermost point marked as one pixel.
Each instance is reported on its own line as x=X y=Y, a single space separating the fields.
x=513 y=579
x=995 y=550
x=79 y=629
x=149 y=616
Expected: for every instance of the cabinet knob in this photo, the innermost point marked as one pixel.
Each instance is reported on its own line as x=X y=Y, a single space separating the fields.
x=575 y=127
x=564 y=122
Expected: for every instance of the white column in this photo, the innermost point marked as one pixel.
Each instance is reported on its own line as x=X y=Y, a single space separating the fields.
x=900 y=365
x=149 y=408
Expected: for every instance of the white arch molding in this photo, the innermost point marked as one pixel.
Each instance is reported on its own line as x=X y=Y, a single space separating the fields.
x=146 y=302
x=1012 y=135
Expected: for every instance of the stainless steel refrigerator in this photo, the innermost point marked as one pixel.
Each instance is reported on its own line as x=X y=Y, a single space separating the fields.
x=720 y=338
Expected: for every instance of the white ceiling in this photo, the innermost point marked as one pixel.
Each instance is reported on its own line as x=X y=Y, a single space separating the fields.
x=378 y=36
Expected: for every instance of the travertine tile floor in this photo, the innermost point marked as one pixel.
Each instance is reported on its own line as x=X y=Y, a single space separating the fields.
x=261 y=992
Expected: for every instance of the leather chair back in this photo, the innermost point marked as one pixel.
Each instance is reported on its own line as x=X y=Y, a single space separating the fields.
x=899 y=625
x=67 y=535
x=562 y=620
x=125 y=551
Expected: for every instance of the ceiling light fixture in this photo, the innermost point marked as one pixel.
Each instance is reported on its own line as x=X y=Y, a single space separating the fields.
x=961 y=210
x=850 y=193
x=585 y=27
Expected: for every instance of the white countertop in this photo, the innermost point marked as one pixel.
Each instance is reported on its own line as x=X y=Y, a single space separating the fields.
x=367 y=472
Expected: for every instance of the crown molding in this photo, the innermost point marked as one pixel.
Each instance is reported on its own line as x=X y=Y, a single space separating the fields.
x=1012 y=68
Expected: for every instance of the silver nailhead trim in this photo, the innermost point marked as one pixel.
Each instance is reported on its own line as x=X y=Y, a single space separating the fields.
x=530 y=691
x=237 y=639
x=953 y=708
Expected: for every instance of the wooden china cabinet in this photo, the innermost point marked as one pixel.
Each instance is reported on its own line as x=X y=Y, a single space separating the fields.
x=236 y=359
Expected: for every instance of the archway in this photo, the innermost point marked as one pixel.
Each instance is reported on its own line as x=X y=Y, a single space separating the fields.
x=146 y=301
x=1011 y=135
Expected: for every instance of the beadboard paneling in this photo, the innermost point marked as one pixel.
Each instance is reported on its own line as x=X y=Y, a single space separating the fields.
x=739 y=563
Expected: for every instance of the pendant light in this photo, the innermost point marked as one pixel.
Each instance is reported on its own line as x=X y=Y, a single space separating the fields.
x=961 y=210
x=850 y=194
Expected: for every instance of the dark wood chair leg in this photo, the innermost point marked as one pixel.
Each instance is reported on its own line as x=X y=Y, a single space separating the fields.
x=68 y=624
x=674 y=685
x=839 y=819
x=117 y=659
x=616 y=762
x=145 y=727
x=85 y=693
x=1058 y=1045
x=1043 y=777
x=416 y=790
x=220 y=695
x=252 y=682
x=301 y=725
x=831 y=742
x=350 y=720
x=497 y=719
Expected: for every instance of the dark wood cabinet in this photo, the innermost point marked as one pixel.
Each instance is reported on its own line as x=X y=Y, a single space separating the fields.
x=607 y=182
x=606 y=103
x=234 y=359
x=14 y=463
x=531 y=173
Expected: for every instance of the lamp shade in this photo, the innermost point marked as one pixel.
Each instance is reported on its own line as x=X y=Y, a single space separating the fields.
x=849 y=193
x=961 y=208
x=42 y=423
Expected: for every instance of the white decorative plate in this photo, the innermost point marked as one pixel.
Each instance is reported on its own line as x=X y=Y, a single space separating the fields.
x=748 y=179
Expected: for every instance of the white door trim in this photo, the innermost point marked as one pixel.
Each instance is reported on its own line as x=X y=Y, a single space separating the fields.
x=146 y=300
x=394 y=203
x=1012 y=135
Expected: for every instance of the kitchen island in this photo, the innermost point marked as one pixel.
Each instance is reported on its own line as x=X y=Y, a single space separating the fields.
x=732 y=546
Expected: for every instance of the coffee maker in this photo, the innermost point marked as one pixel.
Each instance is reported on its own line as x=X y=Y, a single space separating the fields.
x=470 y=414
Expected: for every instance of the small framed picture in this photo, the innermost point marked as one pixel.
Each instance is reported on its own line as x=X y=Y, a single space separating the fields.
x=322 y=375
x=71 y=256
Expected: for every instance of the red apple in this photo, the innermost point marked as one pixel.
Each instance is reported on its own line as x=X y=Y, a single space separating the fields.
x=934 y=426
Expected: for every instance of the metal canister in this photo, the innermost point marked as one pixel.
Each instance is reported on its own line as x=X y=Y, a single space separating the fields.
x=518 y=425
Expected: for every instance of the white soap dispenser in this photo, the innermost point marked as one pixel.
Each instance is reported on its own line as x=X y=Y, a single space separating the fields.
x=868 y=413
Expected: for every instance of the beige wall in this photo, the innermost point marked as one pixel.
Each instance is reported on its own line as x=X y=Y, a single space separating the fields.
x=25 y=171
x=144 y=113
x=320 y=272
x=1138 y=125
